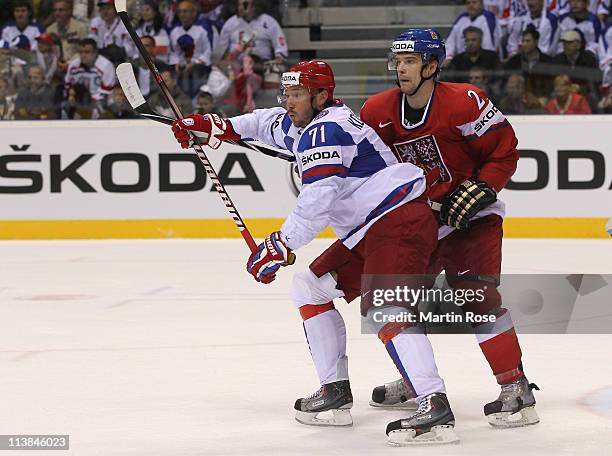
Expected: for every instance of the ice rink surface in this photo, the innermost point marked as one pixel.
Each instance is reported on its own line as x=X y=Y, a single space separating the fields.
x=169 y=348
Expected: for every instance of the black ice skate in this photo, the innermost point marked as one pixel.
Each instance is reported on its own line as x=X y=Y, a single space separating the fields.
x=514 y=407
x=335 y=397
x=432 y=424
x=394 y=395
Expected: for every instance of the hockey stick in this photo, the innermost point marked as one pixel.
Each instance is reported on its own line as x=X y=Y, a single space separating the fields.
x=127 y=79
x=121 y=7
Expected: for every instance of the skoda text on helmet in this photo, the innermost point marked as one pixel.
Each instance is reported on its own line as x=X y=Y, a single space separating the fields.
x=427 y=42
x=312 y=74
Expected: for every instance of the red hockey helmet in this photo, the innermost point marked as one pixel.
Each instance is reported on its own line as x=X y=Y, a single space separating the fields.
x=313 y=74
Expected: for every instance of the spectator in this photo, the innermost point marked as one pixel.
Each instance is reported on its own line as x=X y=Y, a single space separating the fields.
x=118 y=107
x=7 y=104
x=580 y=65
x=23 y=27
x=78 y=103
x=212 y=10
x=605 y=58
x=190 y=50
x=518 y=100
x=47 y=57
x=159 y=104
x=580 y=18
x=69 y=30
x=14 y=57
x=112 y=38
x=478 y=77
x=566 y=100
x=152 y=24
x=560 y=7
x=475 y=16
x=539 y=19
x=534 y=65
x=43 y=11
x=605 y=105
x=146 y=82
x=474 y=56
x=253 y=31
x=253 y=46
x=205 y=103
x=92 y=70
x=35 y=101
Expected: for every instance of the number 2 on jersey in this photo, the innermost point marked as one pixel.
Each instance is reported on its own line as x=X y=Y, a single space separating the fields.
x=479 y=101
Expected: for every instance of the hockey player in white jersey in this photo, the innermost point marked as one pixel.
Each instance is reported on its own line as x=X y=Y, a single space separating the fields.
x=376 y=206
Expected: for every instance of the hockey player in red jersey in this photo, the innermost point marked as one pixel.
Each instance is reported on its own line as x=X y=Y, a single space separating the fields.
x=468 y=150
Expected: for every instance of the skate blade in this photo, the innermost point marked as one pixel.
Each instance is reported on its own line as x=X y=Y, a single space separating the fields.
x=410 y=404
x=523 y=417
x=438 y=435
x=340 y=417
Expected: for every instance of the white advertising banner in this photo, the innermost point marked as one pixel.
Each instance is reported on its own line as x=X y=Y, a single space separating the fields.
x=134 y=170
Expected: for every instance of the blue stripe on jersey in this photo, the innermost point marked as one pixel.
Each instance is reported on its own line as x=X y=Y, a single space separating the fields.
x=398 y=363
x=286 y=124
x=474 y=136
x=289 y=143
x=316 y=173
x=491 y=22
x=390 y=201
x=333 y=135
x=367 y=161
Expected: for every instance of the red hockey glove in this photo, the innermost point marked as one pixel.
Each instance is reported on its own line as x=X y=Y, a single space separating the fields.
x=465 y=202
x=216 y=129
x=271 y=254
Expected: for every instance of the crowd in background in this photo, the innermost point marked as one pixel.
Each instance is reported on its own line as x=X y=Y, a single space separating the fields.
x=535 y=56
x=58 y=57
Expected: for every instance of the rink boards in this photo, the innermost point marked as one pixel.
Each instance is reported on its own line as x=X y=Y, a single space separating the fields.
x=129 y=179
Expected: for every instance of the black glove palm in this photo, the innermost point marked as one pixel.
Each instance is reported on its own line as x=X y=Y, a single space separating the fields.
x=465 y=202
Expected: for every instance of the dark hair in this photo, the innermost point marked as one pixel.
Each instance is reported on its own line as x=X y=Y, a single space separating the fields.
x=531 y=30
x=472 y=29
x=19 y=3
x=158 y=20
x=89 y=42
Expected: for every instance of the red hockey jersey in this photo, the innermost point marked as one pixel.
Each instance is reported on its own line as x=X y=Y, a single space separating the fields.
x=461 y=135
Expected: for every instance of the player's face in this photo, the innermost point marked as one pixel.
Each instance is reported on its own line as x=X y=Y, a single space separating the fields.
x=409 y=71
x=299 y=105
x=528 y=44
x=187 y=13
x=22 y=15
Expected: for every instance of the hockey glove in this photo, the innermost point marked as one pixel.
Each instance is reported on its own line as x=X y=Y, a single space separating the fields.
x=465 y=202
x=215 y=128
x=271 y=254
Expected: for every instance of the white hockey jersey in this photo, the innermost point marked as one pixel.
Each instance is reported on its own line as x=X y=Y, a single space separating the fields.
x=11 y=34
x=264 y=36
x=115 y=33
x=99 y=79
x=590 y=28
x=485 y=21
x=350 y=178
x=189 y=45
x=546 y=25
